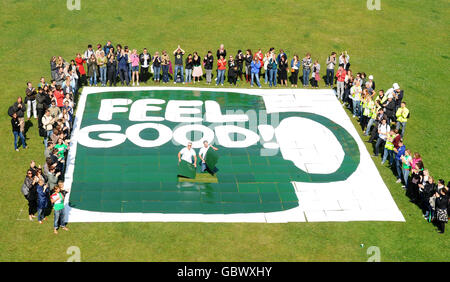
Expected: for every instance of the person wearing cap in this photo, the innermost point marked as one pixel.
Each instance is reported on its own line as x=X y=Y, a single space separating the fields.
x=188 y=154
x=396 y=93
x=402 y=117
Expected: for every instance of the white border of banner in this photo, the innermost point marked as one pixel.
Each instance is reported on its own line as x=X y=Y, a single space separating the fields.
x=362 y=197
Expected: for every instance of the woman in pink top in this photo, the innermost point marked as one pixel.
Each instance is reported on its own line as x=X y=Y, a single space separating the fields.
x=134 y=57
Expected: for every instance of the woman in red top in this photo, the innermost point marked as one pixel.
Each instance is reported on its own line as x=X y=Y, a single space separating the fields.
x=81 y=72
x=221 y=67
x=59 y=96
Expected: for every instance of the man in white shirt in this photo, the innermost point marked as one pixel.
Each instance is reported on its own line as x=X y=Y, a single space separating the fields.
x=187 y=153
x=383 y=130
x=202 y=154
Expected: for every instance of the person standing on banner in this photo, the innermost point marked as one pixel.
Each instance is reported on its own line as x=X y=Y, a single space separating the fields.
x=202 y=154
x=187 y=153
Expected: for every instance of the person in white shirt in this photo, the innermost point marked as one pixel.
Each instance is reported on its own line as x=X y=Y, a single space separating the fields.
x=383 y=130
x=187 y=153
x=202 y=154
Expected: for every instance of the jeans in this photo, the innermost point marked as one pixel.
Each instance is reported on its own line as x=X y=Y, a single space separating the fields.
x=18 y=134
x=156 y=73
x=103 y=75
x=93 y=79
x=405 y=173
x=398 y=166
x=403 y=124
x=46 y=138
x=306 y=77
x=165 y=70
x=388 y=153
x=266 y=76
x=377 y=145
x=256 y=76
x=272 y=77
x=40 y=214
x=188 y=75
x=59 y=219
x=124 y=76
x=203 y=166
x=330 y=78
x=369 y=125
x=208 y=75
x=129 y=71
x=340 y=90
x=356 y=107
x=220 y=77
x=175 y=73
x=30 y=105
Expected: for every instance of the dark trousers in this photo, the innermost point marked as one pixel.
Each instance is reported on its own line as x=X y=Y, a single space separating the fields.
x=144 y=76
x=112 y=76
x=374 y=132
x=441 y=226
x=40 y=112
x=32 y=204
x=380 y=142
x=123 y=74
x=330 y=77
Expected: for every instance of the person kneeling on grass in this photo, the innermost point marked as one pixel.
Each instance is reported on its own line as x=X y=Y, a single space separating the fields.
x=202 y=154
x=57 y=200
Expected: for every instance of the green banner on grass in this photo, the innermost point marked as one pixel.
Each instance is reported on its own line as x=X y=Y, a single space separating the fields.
x=211 y=159
x=186 y=169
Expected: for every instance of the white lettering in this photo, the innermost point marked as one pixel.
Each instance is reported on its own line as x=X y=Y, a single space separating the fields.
x=112 y=139
x=164 y=134
x=139 y=109
x=107 y=108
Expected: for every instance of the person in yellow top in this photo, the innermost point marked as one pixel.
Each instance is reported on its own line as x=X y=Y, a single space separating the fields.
x=368 y=105
x=402 y=117
x=355 y=95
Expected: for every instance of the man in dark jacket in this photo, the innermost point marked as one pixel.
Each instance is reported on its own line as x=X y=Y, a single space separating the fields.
x=41 y=105
x=144 y=59
x=31 y=100
x=389 y=107
x=19 y=108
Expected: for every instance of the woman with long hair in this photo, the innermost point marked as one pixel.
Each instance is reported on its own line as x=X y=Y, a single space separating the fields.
x=197 y=72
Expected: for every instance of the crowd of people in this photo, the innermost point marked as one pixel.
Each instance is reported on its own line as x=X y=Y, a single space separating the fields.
x=382 y=115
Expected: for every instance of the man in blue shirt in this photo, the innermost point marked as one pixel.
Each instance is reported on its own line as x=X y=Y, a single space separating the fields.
x=398 y=159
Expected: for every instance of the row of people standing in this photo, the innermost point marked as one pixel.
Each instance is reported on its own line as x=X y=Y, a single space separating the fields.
x=117 y=64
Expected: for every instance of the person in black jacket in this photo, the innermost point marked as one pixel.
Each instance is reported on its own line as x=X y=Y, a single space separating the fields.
x=441 y=209
x=19 y=108
x=389 y=107
x=240 y=63
x=428 y=189
x=41 y=105
x=374 y=133
x=29 y=192
x=15 y=124
x=208 y=62
x=145 y=59
x=111 y=70
x=232 y=71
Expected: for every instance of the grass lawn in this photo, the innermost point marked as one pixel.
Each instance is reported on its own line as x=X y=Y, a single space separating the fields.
x=407 y=41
